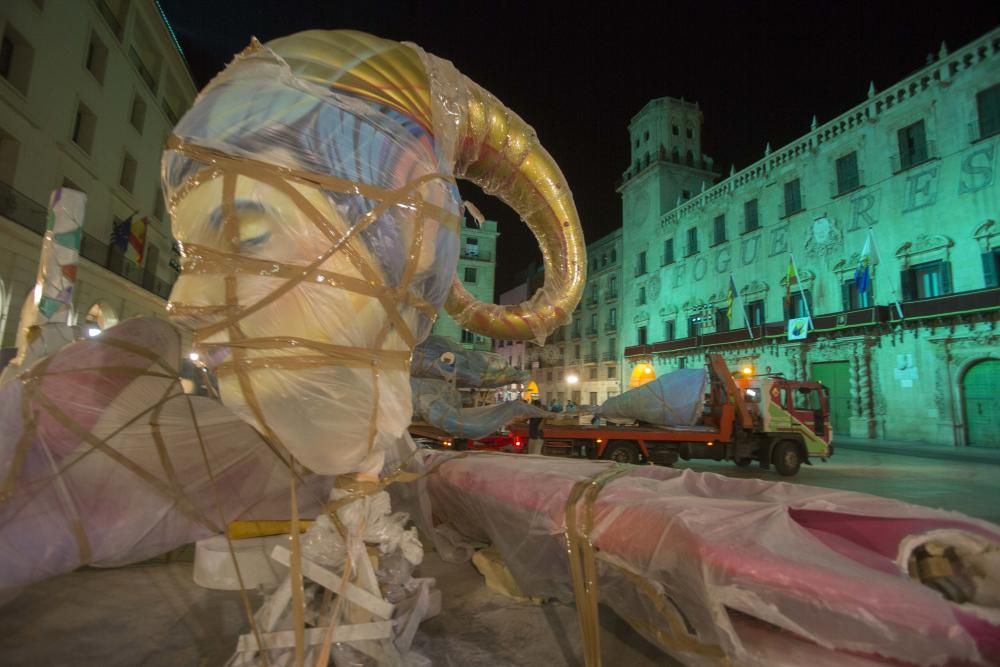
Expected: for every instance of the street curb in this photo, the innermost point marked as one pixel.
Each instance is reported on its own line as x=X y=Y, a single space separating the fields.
x=955 y=455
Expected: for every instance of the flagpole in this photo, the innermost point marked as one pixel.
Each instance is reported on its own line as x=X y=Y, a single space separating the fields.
x=802 y=291
x=892 y=289
x=743 y=305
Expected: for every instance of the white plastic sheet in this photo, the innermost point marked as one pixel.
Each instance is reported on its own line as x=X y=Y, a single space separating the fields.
x=707 y=566
x=674 y=399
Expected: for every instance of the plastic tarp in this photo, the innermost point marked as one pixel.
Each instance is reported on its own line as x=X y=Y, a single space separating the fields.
x=712 y=568
x=437 y=403
x=104 y=460
x=674 y=399
x=469 y=368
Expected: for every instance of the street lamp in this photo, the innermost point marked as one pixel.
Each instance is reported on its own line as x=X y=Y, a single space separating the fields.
x=572 y=379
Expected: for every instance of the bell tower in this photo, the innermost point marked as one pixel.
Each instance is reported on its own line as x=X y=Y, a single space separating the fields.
x=666 y=163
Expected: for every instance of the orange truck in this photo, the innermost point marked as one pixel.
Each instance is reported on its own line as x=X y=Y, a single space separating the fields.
x=747 y=418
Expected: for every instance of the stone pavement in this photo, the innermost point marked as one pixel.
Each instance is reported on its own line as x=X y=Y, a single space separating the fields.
x=921 y=449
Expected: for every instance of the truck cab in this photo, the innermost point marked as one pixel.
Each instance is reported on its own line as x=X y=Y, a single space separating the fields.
x=788 y=408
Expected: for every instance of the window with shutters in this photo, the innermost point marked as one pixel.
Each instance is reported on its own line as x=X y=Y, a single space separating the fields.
x=612 y=372
x=640 y=336
x=927 y=280
x=668 y=252
x=721 y=319
x=755 y=312
x=640 y=264
x=991 y=268
x=852 y=298
x=912 y=145
x=719 y=229
x=750 y=219
x=470 y=274
x=692 y=242
x=793 y=197
x=801 y=305
x=988 y=108
x=694 y=325
x=669 y=329
x=847 y=173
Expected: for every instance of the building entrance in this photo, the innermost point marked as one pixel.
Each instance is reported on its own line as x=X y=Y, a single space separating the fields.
x=980 y=389
x=837 y=376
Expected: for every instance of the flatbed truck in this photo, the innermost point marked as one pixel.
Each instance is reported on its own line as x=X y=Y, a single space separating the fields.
x=767 y=419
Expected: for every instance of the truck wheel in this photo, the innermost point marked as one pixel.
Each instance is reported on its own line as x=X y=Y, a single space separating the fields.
x=622 y=452
x=744 y=462
x=786 y=458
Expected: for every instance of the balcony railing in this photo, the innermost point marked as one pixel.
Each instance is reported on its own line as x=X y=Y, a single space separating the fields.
x=590 y=359
x=576 y=334
x=610 y=326
x=592 y=300
x=608 y=356
x=591 y=331
x=32 y=216
x=610 y=295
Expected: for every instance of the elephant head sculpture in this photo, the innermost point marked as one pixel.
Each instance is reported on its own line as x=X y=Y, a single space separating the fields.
x=312 y=189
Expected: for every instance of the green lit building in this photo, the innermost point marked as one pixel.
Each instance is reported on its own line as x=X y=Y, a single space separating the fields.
x=476 y=269
x=914 y=168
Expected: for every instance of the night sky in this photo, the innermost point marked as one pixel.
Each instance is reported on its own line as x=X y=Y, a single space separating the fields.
x=579 y=72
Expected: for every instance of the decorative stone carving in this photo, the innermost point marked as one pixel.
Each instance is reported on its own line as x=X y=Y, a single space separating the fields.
x=926 y=247
x=654 y=287
x=987 y=235
x=824 y=237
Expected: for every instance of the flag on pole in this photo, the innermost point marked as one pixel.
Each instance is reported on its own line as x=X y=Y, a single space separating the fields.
x=869 y=258
x=791 y=277
x=120 y=233
x=730 y=298
x=136 y=240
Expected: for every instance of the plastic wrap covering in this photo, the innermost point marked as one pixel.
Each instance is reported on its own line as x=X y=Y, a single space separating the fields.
x=105 y=461
x=319 y=239
x=674 y=399
x=438 y=404
x=444 y=359
x=712 y=568
x=478 y=139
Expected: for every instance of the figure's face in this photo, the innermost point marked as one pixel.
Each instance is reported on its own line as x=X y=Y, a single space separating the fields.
x=235 y=265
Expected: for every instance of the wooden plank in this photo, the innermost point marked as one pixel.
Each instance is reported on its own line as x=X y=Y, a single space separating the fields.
x=335 y=583
x=285 y=639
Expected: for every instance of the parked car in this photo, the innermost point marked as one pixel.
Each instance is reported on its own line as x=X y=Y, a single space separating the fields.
x=501 y=441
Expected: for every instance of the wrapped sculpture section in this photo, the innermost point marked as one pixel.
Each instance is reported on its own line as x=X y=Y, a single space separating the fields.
x=105 y=460
x=715 y=569
x=443 y=359
x=312 y=187
x=674 y=399
x=440 y=405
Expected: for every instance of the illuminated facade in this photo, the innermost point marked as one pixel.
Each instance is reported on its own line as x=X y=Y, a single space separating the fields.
x=477 y=263
x=913 y=359
x=89 y=91
x=588 y=347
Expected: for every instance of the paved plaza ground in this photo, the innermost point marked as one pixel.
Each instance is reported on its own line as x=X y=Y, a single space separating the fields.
x=154 y=615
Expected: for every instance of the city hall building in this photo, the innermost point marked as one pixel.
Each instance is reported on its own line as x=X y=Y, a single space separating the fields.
x=905 y=183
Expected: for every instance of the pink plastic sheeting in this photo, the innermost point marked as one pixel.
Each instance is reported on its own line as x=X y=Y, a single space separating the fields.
x=772 y=573
x=75 y=501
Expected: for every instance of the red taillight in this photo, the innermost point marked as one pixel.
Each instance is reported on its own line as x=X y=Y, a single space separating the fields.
x=517 y=443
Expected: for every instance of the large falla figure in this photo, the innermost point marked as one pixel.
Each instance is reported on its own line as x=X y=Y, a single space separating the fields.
x=312 y=187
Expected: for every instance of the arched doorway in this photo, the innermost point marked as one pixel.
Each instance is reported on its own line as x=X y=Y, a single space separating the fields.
x=99 y=317
x=981 y=402
x=641 y=374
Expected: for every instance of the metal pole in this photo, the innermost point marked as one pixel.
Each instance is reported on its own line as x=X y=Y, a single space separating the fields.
x=802 y=291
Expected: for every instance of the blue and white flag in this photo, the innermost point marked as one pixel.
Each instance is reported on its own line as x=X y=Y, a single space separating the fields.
x=120 y=232
x=869 y=258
